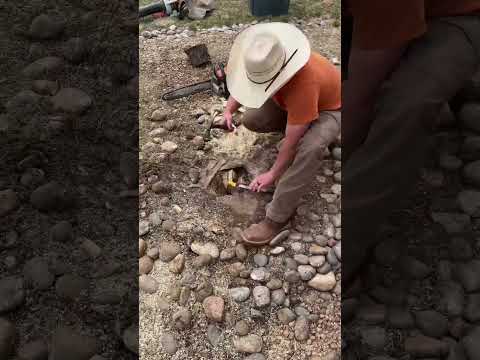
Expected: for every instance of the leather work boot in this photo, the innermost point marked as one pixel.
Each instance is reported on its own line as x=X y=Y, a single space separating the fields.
x=262 y=233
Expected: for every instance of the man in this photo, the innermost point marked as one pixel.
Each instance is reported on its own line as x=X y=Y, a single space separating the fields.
x=408 y=59
x=292 y=90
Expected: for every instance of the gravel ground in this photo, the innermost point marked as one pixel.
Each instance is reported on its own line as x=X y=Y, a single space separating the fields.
x=178 y=218
x=420 y=297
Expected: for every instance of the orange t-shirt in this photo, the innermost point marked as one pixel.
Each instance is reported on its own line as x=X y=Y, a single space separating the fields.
x=382 y=24
x=315 y=88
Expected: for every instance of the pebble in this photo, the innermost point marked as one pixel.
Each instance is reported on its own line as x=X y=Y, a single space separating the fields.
x=278 y=297
x=214 y=307
x=387 y=252
x=66 y=343
x=204 y=290
x=201 y=261
x=168 y=250
x=472 y=308
x=260 y=274
x=323 y=282
x=177 y=265
x=321 y=240
x=467 y=274
x=468 y=116
x=145 y=265
x=449 y=162
x=241 y=252
x=290 y=264
x=90 y=248
x=292 y=276
x=453 y=223
x=302 y=329
x=372 y=314
x=143 y=227
x=169 y=344
x=451 y=298
x=279 y=238
x=248 y=344
x=182 y=319
x=374 y=338
x=214 y=334
x=277 y=250
x=227 y=254
x=423 y=346
x=70 y=287
x=261 y=296
x=206 y=248
x=45 y=27
x=260 y=260
x=240 y=294
x=414 y=268
x=297 y=247
x=306 y=272
x=7 y=338
x=317 y=261
x=33 y=350
x=469 y=202
x=301 y=259
x=399 y=318
x=471 y=343
x=8 y=202
x=71 y=100
x=153 y=253
x=10 y=262
x=332 y=258
x=274 y=284
x=257 y=356
x=169 y=147
x=62 y=232
x=43 y=67
x=286 y=316
x=159 y=115
x=130 y=338
x=37 y=274
x=431 y=323
x=318 y=250
x=148 y=284
x=242 y=328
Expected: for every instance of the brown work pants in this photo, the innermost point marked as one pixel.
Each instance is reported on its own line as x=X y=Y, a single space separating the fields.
x=297 y=179
x=378 y=174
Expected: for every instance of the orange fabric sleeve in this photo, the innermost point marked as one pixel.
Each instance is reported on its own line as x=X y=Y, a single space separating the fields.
x=383 y=24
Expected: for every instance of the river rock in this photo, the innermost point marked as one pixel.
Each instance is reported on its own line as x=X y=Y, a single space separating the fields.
x=43 y=67
x=301 y=329
x=8 y=202
x=214 y=307
x=148 y=284
x=168 y=250
x=37 y=274
x=177 y=265
x=471 y=343
x=306 y=272
x=130 y=338
x=33 y=350
x=323 y=282
x=169 y=344
x=431 y=323
x=75 y=50
x=240 y=294
x=472 y=308
x=69 y=344
x=145 y=265
x=7 y=338
x=467 y=274
x=71 y=100
x=62 y=232
x=261 y=296
x=70 y=287
x=51 y=196
x=424 y=347
x=248 y=344
x=46 y=27
x=208 y=248
x=12 y=293
x=182 y=319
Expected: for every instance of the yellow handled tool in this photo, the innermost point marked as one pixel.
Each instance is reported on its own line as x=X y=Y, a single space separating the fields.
x=233 y=184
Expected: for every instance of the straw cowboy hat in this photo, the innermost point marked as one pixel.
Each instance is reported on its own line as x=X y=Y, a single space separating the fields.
x=263 y=58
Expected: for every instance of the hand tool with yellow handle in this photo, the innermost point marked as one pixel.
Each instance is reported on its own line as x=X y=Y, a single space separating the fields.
x=234 y=185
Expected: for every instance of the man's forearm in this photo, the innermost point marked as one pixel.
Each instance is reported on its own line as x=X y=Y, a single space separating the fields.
x=284 y=159
x=232 y=105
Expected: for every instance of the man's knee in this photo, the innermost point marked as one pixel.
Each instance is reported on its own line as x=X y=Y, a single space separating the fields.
x=250 y=120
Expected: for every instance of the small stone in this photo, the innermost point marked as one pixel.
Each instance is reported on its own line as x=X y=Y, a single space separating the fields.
x=467 y=273
x=317 y=261
x=242 y=328
x=168 y=251
x=169 y=147
x=469 y=202
x=431 y=323
x=414 y=268
x=302 y=330
x=453 y=223
x=227 y=254
x=177 y=265
x=241 y=252
x=34 y=350
x=7 y=338
x=318 y=250
x=374 y=338
x=240 y=294
x=75 y=50
x=260 y=274
x=182 y=319
x=274 y=284
x=153 y=253
x=301 y=259
x=45 y=27
x=257 y=356
x=62 y=232
x=279 y=238
x=206 y=248
x=37 y=274
x=248 y=344
x=468 y=116
x=185 y=293
x=143 y=227
x=204 y=290
x=372 y=314
x=68 y=344
x=290 y=264
x=169 y=344
x=260 y=260
x=261 y=296
x=400 y=318
x=90 y=248
x=130 y=338
x=472 y=308
x=202 y=261
x=70 y=287
x=452 y=298
x=306 y=272
x=286 y=316
x=278 y=297
x=71 y=100
x=471 y=343
x=213 y=334
x=449 y=162
x=460 y=249
x=145 y=265
x=277 y=250
x=214 y=307
x=292 y=276
x=148 y=284
x=423 y=347
x=8 y=202
x=159 y=115
x=43 y=67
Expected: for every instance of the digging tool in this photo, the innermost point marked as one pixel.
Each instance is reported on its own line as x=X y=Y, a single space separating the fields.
x=234 y=185
x=217 y=84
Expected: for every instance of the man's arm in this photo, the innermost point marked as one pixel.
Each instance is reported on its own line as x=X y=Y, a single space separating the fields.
x=368 y=69
x=285 y=157
x=232 y=106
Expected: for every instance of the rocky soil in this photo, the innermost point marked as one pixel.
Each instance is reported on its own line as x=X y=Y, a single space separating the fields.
x=67 y=248
x=422 y=290
x=203 y=295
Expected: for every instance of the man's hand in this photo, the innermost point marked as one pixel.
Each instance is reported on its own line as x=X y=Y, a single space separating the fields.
x=228 y=118
x=232 y=106
x=263 y=182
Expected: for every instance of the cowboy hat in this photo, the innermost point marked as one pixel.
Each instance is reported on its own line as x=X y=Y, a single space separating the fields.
x=263 y=58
